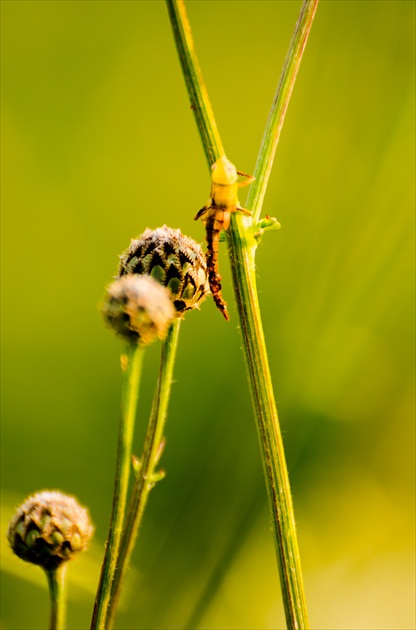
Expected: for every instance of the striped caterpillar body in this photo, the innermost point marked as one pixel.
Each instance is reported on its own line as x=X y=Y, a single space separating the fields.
x=216 y=215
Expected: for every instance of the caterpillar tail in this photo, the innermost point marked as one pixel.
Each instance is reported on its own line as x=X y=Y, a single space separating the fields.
x=215 y=278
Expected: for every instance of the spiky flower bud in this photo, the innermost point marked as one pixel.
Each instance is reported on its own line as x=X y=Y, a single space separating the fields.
x=174 y=260
x=138 y=309
x=48 y=529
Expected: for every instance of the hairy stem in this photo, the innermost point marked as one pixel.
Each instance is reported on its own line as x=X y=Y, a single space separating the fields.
x=56 y=583
x=270 y=438
x=242 y=246
x=131 y=363
x=146 y=474
x=197 y=91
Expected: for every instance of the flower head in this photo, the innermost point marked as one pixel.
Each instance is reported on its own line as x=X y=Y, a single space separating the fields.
x=49 y=528
x=174 y=260
x=138 y=309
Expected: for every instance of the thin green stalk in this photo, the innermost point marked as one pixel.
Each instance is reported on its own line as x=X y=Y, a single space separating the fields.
x=279 y=107
x=131 y=364
x=197 y=91
x=146 y=474
x=271 y=444
x=242 y=246
x=56 y=584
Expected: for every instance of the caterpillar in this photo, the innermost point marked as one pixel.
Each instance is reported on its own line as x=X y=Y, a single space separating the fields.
x=216 y=215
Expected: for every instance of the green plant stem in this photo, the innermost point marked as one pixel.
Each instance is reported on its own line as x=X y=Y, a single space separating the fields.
x=200 y=103
x=270 y=439
x=56 y=583
x=131 y=364
x=279 y=106
x=146 y=475
x=242 y=246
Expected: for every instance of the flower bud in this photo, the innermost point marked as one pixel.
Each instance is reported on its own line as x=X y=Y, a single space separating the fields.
x=174 y=260
x=138 y=309
x=48 y=529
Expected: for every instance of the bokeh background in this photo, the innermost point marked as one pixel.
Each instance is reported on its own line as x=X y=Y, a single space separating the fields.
x=98 y=143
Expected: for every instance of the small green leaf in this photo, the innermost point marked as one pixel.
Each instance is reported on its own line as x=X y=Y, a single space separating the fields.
x=271 y=224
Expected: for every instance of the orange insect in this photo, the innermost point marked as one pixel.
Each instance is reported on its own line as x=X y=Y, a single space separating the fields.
x=216 y=215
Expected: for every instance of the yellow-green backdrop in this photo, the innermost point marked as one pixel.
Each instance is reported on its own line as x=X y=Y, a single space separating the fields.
x=98 y=143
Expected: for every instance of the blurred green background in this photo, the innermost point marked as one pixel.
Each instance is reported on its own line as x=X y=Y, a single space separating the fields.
x=98 y=143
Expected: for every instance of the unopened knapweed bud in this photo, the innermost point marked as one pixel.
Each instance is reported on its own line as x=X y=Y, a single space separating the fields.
x=48 y=529
x=138 y=309
x=174 y=260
